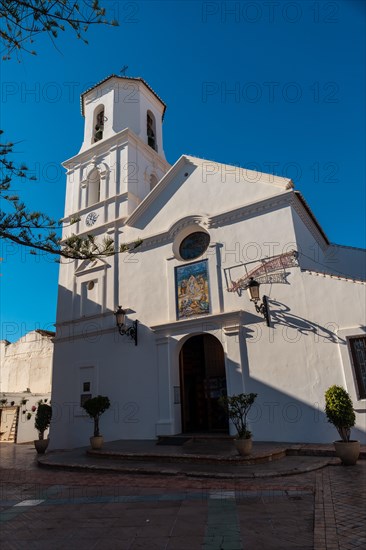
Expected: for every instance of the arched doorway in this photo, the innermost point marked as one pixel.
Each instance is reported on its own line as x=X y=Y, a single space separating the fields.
x=202 y=382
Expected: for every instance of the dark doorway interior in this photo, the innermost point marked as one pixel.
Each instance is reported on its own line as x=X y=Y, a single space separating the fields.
x=203 y=382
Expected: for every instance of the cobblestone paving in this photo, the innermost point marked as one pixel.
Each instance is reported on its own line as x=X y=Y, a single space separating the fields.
x=340 y=508
x=43 y=509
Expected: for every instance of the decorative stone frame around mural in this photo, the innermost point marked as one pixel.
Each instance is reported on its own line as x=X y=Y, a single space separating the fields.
x=192 y=290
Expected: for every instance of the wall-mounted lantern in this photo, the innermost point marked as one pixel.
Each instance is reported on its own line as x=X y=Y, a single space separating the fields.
x=262 y=308
x=123 y=329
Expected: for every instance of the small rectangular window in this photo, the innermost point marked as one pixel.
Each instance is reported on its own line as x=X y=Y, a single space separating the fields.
x=176 y=395
x=87 y=387
x=358 y=351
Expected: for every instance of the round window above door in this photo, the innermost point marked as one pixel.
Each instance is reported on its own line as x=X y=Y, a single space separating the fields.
x=194 y=245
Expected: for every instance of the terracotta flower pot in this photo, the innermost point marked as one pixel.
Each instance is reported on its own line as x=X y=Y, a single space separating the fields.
x=347 y=451
x=41 y=445
x=243 y=446
x=96 y=442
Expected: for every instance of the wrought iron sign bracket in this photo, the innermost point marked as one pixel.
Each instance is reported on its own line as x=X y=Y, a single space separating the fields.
x=263 y=310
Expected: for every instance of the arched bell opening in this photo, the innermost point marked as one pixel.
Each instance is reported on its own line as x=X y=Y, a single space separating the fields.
x=151 y=130
x=98 y=124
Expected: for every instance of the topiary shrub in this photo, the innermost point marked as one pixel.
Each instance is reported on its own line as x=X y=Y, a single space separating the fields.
x=339 y=411
x=95 y=407
x=42 y=419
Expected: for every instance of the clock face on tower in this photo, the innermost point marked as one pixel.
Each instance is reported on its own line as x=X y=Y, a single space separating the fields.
x=91 y=218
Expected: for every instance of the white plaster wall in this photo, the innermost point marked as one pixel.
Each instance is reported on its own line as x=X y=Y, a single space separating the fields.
x=292 y=363
x=27 y=363
x=142 y=162
x=124 y=372
x=150 y=270
x=26 y=430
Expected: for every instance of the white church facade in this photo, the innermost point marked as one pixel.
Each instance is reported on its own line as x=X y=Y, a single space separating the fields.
x=207 y=229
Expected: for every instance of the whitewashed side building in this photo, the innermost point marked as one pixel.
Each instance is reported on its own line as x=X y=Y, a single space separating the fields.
x=206 y=230
x=25 y=379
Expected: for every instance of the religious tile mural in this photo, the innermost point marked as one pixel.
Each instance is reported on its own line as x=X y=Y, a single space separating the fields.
x=192 y=289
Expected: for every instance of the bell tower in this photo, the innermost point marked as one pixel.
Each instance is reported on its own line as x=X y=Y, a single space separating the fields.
x=121 y=159
x=122 y=155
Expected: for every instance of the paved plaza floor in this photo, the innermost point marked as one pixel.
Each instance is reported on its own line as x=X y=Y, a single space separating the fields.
x=321 y=508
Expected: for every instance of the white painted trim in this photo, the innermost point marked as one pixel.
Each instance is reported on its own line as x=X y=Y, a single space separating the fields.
x=207 y=222
x=185 y=326
x=334 y=276
x=283 y=183
x=344 y=335
x=107 y=145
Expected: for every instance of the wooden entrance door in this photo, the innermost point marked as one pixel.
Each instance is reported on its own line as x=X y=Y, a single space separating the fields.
x=203 y=382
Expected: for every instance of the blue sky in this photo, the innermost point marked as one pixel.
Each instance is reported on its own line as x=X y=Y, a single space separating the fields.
x=276 y=86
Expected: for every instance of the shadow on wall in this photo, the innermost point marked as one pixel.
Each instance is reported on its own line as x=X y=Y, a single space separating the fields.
x=279 y=416
x=281 y=316
x=81 y=315
x=293 y=419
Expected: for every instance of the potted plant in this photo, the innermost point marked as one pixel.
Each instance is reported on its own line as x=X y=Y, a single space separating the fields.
x=95 y=407
x=339 y=411
x=238 y=407
x=41 y=423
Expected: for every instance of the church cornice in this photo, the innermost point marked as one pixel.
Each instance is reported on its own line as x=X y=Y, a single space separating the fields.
x=226 y=321
x=302 y=208
x=250 y=210
x=289 y=198
x=97 y=149
x=108 y=145
x=229 y=322
x=104 y=203
x=218 y=220
x=329 y=275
